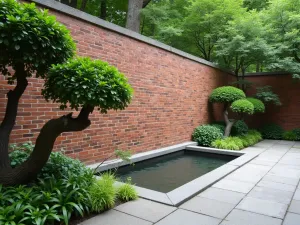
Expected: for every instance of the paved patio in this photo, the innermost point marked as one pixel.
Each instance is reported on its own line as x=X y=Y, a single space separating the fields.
x=265 y=191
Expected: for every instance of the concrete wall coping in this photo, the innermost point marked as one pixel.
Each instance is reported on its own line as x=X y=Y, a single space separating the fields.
x=57 y=6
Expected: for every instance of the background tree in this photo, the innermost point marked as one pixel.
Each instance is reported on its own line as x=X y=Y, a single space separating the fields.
x=242 y=44
x=235 y=99
x=256 y=4
x=31 y=41
x=206 y=20
x=283 y=18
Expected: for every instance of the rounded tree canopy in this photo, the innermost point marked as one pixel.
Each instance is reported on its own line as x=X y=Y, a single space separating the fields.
x=226 y=94
x=30 y=37
x=84 y=82
x=259 y=106
x=242 y=106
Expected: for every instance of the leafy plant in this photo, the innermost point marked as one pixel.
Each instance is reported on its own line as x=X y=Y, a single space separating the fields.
x=126 y=192
x=242 y=106
x=219 y=125
x=272 y=131
x=206 y=134
x=259 y=106
x=297 y=132
x=103 y=193
x=266 y=95
x=289 y=136
x=239 y=128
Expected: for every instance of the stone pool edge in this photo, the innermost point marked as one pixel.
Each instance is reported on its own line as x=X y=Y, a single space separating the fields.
x=190 y=189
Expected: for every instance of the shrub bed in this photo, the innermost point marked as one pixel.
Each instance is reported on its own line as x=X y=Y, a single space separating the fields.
x=64 y=189
x=206 y=134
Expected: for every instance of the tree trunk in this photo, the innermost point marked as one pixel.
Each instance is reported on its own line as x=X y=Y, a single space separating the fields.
x=229 y=123
x=29 y=170
x=83 y=5
x=72 y=3
x=134 y=15
x=103 y=10
x=13 y=97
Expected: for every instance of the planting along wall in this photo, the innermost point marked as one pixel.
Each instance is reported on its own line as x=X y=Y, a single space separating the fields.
x=170 y=99
x=287 y=115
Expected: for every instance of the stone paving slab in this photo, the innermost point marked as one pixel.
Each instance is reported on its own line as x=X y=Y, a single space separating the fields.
x=208 y=207
x=239 y=217
x=284 y=171
x=297 y=195
x=291 y=219
x=147 y=210
x=262 y=162
x=283 y=180
x=233 y=185
x=180 y=217
x=278 y=186
x=113 y=217
x=295 y=207
x=222 y=195
x=264 y=207
x=270 y=194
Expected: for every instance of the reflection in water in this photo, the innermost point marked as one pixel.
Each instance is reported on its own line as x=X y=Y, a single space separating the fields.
x=168 y=172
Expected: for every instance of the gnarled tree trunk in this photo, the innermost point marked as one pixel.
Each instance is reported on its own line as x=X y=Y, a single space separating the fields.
x=229 y=123
x=29 y=170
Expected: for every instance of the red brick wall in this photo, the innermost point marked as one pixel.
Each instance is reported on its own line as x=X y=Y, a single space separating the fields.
x=287 y=115
x=170 y=97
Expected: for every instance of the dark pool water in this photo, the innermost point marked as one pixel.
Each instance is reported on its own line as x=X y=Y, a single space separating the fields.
x=165 y=173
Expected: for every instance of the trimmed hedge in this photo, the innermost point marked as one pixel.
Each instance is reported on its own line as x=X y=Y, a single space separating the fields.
x=242 y=106
x=259 y=106
x=239 y=128
x=226 y=94
x=272 y=131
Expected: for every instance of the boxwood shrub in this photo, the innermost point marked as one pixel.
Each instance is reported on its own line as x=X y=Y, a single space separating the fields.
x=206 y=134
x=289 y=136
x=297 y=132
x=239 y=128
x=272 y=131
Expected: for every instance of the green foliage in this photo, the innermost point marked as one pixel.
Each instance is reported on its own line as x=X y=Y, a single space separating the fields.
x=226 y=94
x=239 y=128
x=242 y=106
x=272 y=131
x=206 y=134
x=259 y=106
x=220 y=125
x=297 y=132
x=32 y=38
x=59 y=193
x=266 y=95
x=82 y=81
x=243 y=83
x=126 y=192
x=239 y=142
x=103 y=193
x=289 y=136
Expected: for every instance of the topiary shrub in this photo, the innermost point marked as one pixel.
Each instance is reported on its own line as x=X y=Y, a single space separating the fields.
x=239 y=128
x=297 y=132
x=289 y=136
x=242 y=106
x=259 y=106
x=226 y=94
x=206 y=134
x=272 y=131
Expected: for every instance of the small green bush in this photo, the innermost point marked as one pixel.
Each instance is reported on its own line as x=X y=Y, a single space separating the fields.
x=206 y=134
x=242 y=106
x=259 y=106
x=103 y=193
x=289 y=136
x=226 y=94
x=239 y=128
x=61 y=191
x=221 y=127
x=256 y=134
x=297 y=132
x=229 y=143
x=126 y=192
x=272 y=131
